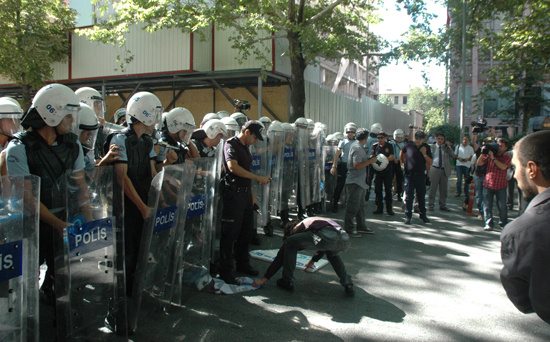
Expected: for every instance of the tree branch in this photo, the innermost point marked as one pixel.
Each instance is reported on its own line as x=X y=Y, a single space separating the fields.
x=278 y=12
x=323 y=13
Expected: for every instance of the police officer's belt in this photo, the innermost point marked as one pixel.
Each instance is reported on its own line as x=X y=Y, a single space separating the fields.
x=243 y=189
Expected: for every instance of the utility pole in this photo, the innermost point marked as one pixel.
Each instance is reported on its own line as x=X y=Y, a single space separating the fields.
x=463 y=92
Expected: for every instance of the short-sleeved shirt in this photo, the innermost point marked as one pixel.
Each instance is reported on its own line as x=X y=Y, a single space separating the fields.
x=495 y=178
x=344 y=146
x=120 y=141
x=357 y=154
x=17 y=162
x=415 y=161
x=464 y=152
x=314 y=224
x=233 y=149
x=371 y=140
x=397 y=146
x=386 y=150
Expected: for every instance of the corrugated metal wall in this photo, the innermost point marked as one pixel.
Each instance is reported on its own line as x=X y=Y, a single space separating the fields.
x=225 y=57
x=335 y=111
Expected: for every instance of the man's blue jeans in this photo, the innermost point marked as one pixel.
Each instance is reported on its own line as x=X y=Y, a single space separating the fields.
x=461 y=171
x=479 y=192
x=500 y=195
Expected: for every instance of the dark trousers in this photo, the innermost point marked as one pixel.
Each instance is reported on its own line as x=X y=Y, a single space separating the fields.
x=342 y=169
x=398 y=180
x=415 y=182
x=133 y=228
x=236 y=230
x=383 y=178
x=327 y=240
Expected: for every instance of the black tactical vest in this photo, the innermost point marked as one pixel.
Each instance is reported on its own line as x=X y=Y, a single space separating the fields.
x=49 y=162
x=139 y=165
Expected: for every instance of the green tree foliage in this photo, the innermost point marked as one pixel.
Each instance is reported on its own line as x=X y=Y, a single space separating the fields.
x=329 y=29
x=451 y=132
x=431 y=103
x=512 y=37
x=386 y=99
x=34 y=36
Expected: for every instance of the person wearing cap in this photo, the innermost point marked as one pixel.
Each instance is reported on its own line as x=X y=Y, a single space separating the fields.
x=238 y=201
x=383 y=177
x=416 y=156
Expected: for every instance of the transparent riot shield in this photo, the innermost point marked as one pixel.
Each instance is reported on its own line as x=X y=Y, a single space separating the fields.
x=305 y=156
x=19 y=204
x=289 y=180
x=330 y=180
x=86 y=262
x=261 y=166
x=276 y=151
x=317 y=141
x=168 y=198
x=193 y=252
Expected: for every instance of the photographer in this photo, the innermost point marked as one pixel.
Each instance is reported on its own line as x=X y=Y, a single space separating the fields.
x=495 y=182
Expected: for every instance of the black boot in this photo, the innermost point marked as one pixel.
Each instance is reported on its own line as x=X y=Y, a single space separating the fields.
x=284 y=217
x=378 y=210
x=334 y=205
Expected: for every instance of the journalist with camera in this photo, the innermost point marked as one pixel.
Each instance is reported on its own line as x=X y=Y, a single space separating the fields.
x=495 y=182
x=479 y=126
x=241 y=105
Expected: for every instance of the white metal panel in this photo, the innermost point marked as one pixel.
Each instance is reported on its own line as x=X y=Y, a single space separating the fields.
x=202 y=51
x=161 y=51
x=60 y=71
x=226 y=58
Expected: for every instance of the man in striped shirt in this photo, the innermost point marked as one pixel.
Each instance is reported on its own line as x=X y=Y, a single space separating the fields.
x=495 y=182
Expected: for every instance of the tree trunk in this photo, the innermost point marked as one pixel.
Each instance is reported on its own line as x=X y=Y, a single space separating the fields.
x=297 y=83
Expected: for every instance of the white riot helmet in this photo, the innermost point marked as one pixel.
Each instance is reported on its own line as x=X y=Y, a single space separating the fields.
x=209 y=117
x=288 y=127
x=332 y=140
x=265 y=121
x=350 y=127
x=275 y=127
x=214 y=127
x=12 y=100
x=232 y=126
x=321 y=126
x=398 y=133
x=240 y=118
x=92 y=98
x=381 y=162
x=120 y=113
x=13 y=113
x=310 y=124
x=223 y=114
x=338 y=135
x=144 y=107
x=86 y=120
x=376 y=128
x=55 y=101
x=180 y=119
x=301 y=123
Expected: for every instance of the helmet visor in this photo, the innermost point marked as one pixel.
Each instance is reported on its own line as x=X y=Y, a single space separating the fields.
x=99 y=108
x=10 y=126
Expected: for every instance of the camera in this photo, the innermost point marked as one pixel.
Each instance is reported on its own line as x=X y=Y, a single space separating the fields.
x=479 y=126
x=243 y=106
x=490 y=147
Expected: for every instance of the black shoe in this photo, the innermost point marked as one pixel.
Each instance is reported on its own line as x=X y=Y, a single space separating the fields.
x=248 y=270
x=408 y=220
x=255 y=240
x=228 y=278
x=425 y=219
x=378 y=211
x=286 y=284
x=349 y=290
x=334 y=207
x=268 y=230
x=391 y=213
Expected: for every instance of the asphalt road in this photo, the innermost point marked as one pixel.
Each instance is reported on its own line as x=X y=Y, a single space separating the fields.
x=423 y=282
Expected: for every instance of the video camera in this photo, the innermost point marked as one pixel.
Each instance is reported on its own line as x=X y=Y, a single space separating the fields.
x=490 y=147
x=479 y=126
x=244 y=104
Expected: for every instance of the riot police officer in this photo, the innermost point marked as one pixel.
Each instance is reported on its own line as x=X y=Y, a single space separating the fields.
x=340 y=167
x=383 y=176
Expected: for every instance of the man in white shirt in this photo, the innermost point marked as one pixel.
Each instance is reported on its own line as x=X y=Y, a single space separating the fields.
x=464 y=153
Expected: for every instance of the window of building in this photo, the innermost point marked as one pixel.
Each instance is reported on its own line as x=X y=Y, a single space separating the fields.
x=396 y=100
x=404 y=100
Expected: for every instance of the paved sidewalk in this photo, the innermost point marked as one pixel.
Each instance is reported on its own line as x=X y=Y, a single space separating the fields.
x=423 y=282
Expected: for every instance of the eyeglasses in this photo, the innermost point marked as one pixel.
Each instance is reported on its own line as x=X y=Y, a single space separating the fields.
x=348 y=132
x=381 y=138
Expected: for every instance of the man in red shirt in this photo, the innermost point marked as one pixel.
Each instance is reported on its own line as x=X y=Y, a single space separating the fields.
x=495 y=182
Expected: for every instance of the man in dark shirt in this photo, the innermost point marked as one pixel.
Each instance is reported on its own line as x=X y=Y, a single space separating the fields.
x=322 y=235
x=238 y=201
x=525 y=241
x=383 y=177
x=417 y=157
